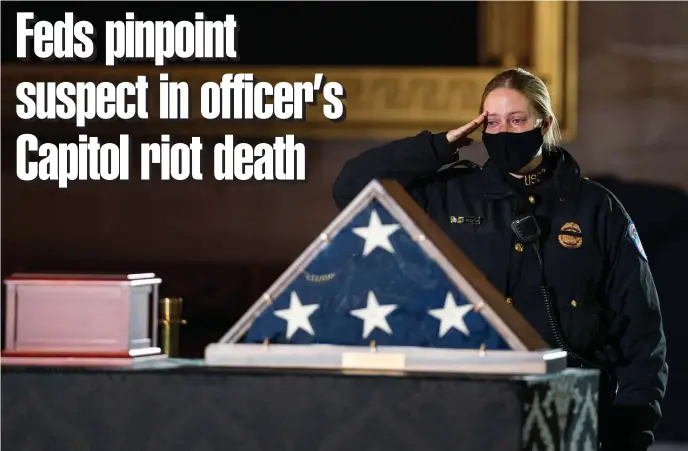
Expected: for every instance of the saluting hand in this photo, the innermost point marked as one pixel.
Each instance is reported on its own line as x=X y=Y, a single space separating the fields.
x=459 y=136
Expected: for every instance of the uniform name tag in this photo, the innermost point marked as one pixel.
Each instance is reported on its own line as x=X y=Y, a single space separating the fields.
x=465 y=220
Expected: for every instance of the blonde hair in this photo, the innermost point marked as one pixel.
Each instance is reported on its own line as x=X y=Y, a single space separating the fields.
x=535 y=91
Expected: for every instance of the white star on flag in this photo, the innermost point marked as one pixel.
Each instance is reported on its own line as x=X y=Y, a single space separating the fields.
x=374 y=315
x=297 y=315
x=376 y=234
x=452 y=316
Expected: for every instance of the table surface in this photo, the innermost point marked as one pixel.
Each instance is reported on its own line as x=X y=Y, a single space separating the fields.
x=198 y=366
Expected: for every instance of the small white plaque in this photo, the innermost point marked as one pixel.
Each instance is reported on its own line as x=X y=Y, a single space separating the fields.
x=373 y=361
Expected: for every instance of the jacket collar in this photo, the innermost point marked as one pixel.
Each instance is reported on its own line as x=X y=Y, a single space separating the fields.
x=564 y=184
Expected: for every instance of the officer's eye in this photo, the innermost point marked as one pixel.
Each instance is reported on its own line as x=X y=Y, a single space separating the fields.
x=491 y=123
x=518 y=121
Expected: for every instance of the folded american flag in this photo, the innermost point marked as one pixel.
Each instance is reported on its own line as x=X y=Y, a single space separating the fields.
x=373 y=282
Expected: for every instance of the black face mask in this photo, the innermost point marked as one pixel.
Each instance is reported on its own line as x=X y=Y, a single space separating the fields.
x=511 y=151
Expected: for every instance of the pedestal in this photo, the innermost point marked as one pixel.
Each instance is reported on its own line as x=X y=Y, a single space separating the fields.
x=187 y=406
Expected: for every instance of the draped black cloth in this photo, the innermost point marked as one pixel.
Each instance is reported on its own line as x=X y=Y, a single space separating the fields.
x=186 y=406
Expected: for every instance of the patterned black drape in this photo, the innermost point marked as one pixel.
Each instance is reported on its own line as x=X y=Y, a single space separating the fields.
x=182 y=405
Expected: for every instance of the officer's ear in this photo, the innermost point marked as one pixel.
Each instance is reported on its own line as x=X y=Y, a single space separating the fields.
x=546 y=124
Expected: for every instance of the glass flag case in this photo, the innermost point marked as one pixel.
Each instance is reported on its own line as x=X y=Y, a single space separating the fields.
x=383 y=288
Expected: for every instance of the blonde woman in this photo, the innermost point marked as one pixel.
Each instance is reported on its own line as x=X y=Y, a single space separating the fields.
x=561 y=248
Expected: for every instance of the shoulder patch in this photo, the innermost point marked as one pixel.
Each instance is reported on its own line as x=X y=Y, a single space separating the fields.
x=635 y=238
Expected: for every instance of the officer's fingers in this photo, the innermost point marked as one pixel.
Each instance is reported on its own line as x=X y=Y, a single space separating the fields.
x=479 y=120
x=471 y=126
x=465 y=130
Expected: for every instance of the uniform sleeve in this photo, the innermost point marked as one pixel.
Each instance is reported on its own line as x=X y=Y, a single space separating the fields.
x=407 y=161
x=642 y=371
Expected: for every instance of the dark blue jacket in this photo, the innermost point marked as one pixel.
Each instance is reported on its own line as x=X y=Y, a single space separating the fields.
x=603 y=291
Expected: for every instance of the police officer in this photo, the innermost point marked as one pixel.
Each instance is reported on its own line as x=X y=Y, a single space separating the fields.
x=560 y=247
